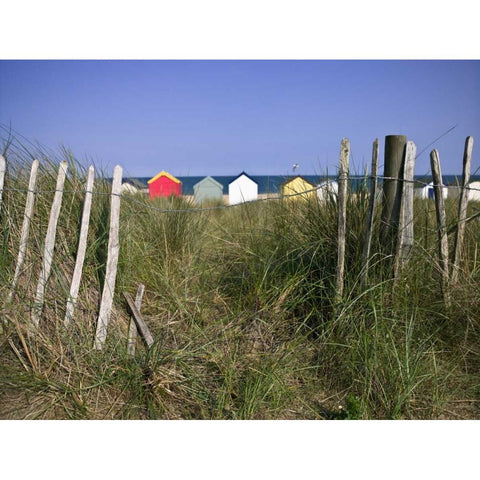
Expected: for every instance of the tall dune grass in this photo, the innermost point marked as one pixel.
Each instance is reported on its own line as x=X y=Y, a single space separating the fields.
x=240 y=302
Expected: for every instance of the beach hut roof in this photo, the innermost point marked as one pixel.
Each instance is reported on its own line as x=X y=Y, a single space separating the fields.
x=243 y=174
x=209 y=180
x=288 y=180
x=163 y=173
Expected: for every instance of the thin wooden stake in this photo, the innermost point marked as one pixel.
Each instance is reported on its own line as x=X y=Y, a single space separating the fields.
x=441 y=222
x=3 y=167
x=371 y=213
x=25 y=227
x=462 y=207
x=405 y=228
x=112 y=261
x=342 y=214
x=82 y=248
x=141 y=325
x=49 y=244
x=132 y=331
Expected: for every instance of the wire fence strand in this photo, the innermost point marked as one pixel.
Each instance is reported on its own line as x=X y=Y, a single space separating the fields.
x=325 y=186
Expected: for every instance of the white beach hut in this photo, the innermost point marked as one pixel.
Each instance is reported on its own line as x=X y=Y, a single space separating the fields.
x=427 y=191
x=474 y=192
x=327 y=189
x=242 y=189
x=128 y=188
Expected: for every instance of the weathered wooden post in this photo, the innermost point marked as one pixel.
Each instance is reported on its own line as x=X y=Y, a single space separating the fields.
x=3 y=167
x=342 y=214
x=405 y=226
x=82 y=248
x=140 y=322
x=25 y=227
x=132 y=329
x=441 y=223
x=49 y=244
x=371 y=213
x=112 y=261
x=462 y=207
x=392 y=189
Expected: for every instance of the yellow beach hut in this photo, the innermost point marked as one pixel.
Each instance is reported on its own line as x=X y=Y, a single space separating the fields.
x=295 y=186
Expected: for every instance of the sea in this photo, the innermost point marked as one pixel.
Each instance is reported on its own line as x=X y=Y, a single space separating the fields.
x=271 y=183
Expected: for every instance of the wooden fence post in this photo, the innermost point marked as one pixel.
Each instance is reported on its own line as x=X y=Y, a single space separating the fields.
x=462 y=207
x=371 y=213
x=441 y=222
x=342 y=214
x=392 y=188
x=112 y=261
x=3 y=168
x=82 y=247
x=141 y=325
x=405 y=227
x=132 y=330
x=25 y=227
x=49 y=244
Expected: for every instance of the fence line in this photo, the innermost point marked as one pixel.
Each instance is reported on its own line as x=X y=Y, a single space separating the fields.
x=405 y=241
x=130 y=198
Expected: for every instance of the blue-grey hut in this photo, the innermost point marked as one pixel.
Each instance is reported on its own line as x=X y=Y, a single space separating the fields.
x=207 y=189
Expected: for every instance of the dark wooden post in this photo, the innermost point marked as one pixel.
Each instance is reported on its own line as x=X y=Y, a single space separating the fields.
x=392 y=189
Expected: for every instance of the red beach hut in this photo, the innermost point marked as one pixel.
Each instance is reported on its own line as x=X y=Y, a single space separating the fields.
x=163 y=185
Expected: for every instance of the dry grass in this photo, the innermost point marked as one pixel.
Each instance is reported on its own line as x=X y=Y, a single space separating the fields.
x=239 y=302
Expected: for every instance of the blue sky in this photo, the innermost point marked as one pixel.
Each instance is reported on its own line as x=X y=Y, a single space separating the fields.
x=220 y=117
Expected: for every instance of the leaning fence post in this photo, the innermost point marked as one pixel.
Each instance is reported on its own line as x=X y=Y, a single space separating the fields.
x=25 y=227
x=441 y=222
x=342 y=214
x=141 y=325
x=112 y=261
x=462 y=207
x=49 y=244
x=2 y=178
x=82 y=247
x=405 y=227
x=132 y=330
x=371 y=212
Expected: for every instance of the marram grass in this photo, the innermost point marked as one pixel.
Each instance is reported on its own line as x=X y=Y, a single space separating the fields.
x=240 y=303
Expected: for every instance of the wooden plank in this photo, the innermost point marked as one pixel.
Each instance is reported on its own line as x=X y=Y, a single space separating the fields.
x=441 y=222
x=49 y=244
x=405 y=227
x=462 y=207
x=112 y=261
x=25 y=227
x=342 y=214
x=82 y=248
x=132 y=331
x=371 y=212
x=141 y=325
x=3 y=167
